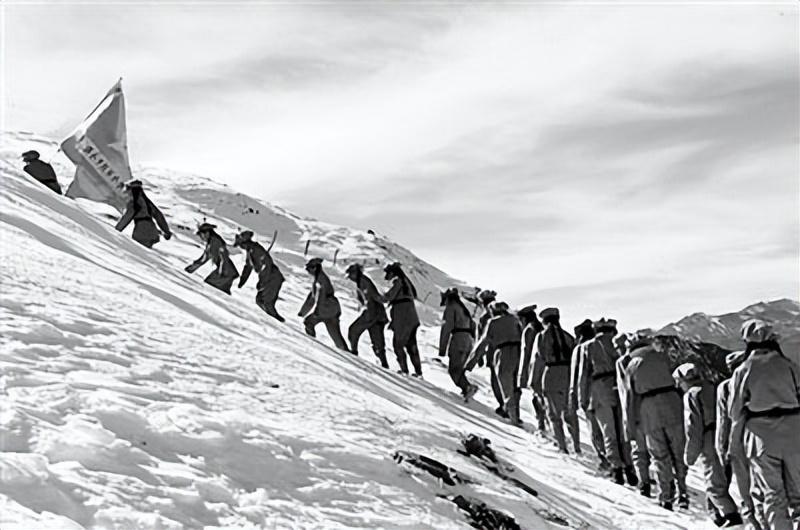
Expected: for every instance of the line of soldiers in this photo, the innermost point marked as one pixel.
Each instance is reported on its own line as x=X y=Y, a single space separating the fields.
x=748 y=428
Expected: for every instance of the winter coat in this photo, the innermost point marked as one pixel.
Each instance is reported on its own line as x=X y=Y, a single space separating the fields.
x=403 y=310
x=552 y=357
x=528 y=336
x=597 y=374
x=141 y=210
x=766 y=381
x=455 y=320
x=501 y=330
x=699 y=409
x=321 y=301
x=258 y=259
x=651 y=395
x=368 y=295
x=217 y=251
x=44 y=173
x=630 y=424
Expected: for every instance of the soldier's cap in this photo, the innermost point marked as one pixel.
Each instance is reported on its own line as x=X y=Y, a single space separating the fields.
x=497 y=307
x=550 y=312
x=585 y=325
x=242 y=237
x=448 y=294
x=354 y=268
x=638 y=340
x=755 y=330
x=393 y=269
x=527 y=311
x=314 y=263
x=604 y=323
x=734 y=359
x=133 y=183
x=687 y=372
x=27 y=156
x=205 y=227
x=487 y=296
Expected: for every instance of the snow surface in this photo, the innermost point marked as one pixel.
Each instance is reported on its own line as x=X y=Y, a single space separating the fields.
x=136 y=396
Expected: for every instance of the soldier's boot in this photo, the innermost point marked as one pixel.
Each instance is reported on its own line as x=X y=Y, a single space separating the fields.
x=402 y=361
x=604 y=465
x=644 y=489
x=471 y=390
x=667 y=505
x=413 y=352
x=271 y=311
x=618 y=474
x=381 y=355
x=630 y=476
x=683 y=501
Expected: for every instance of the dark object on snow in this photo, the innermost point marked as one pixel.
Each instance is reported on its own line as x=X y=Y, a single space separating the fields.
x=446 y=474
x=482 y=516
x=370 y=232
x=476 y=446
x=145 y=216
x=41 y=171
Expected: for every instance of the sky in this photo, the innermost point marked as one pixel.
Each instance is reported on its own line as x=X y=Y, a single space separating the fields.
x=632 y=160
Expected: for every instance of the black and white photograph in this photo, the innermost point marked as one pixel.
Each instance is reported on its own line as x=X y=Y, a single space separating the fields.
x=399 y=264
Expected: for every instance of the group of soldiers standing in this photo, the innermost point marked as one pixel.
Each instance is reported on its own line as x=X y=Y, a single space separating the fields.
x=642 y=414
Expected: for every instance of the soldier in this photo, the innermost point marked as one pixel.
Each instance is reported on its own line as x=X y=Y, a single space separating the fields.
x=217 y=251
x=270 y=278
x=699 y=414
x=41 y=171
x=552 y=356
x=531 y=327
x=750 y=507
x=765 y=409
x=597 y=391
x=405 y=321
x=584 y=332
x=321 y=305
x=486 y=297
x=372 y=319
x=653 y=398
x=455 y=340
x=639 y=452
x=143 y=212
x=501 y=341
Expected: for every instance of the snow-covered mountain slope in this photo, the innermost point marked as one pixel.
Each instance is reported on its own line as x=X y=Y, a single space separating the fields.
x=724 y=330
x=133 y=395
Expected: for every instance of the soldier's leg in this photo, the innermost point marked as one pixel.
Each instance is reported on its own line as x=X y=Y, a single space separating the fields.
x=399 y=345
x=767 y=474
x=379 y=343
x=676 y=438
x=269 y=297
x=791 y=465
x=335 y=332
x=641 y=460
x=554 y=413
x=496 y=391
x=456 y=356
x=413 y=352
x=356 y=329
x=506 y=369
x=310 y=322
x=659 y=449
x=540 y=410
x=715 y=478
x=597 y=437
x=741 y=474
x=605 y=418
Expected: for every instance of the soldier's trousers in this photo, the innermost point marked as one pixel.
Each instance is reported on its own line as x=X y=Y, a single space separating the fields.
x=268 y=290
x=405 y=347
x=618 y=451
x=641 y=456
x=506 y=366
x=145 y=232
x=559 y=413
x=540 y=409
x=495 y=381
x=331 y=324
x=752 y=501
x=666 y=445
x=777 y=478
x=716 y=480
x=375 y=329
x=597 y=435
x=458 y=349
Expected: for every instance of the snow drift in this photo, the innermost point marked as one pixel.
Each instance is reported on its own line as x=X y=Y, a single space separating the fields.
x=136 y=396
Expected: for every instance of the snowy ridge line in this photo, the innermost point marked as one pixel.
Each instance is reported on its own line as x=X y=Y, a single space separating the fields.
x=136 y=396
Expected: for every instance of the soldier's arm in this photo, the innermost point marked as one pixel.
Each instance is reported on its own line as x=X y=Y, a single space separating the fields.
x=574 y=372
x=127 y=217
x=585 y=370
x=739 y=397
x=248 y=268
x=478 y=351
x=722 y=432
x=538 y=364
x=448 y=324
x=196 y=264
x=159 y=218
x=525 y=361
x=393 y=291
x=693 y=425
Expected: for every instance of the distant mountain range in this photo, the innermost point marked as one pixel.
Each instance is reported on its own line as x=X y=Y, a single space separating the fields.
x=724 y=330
